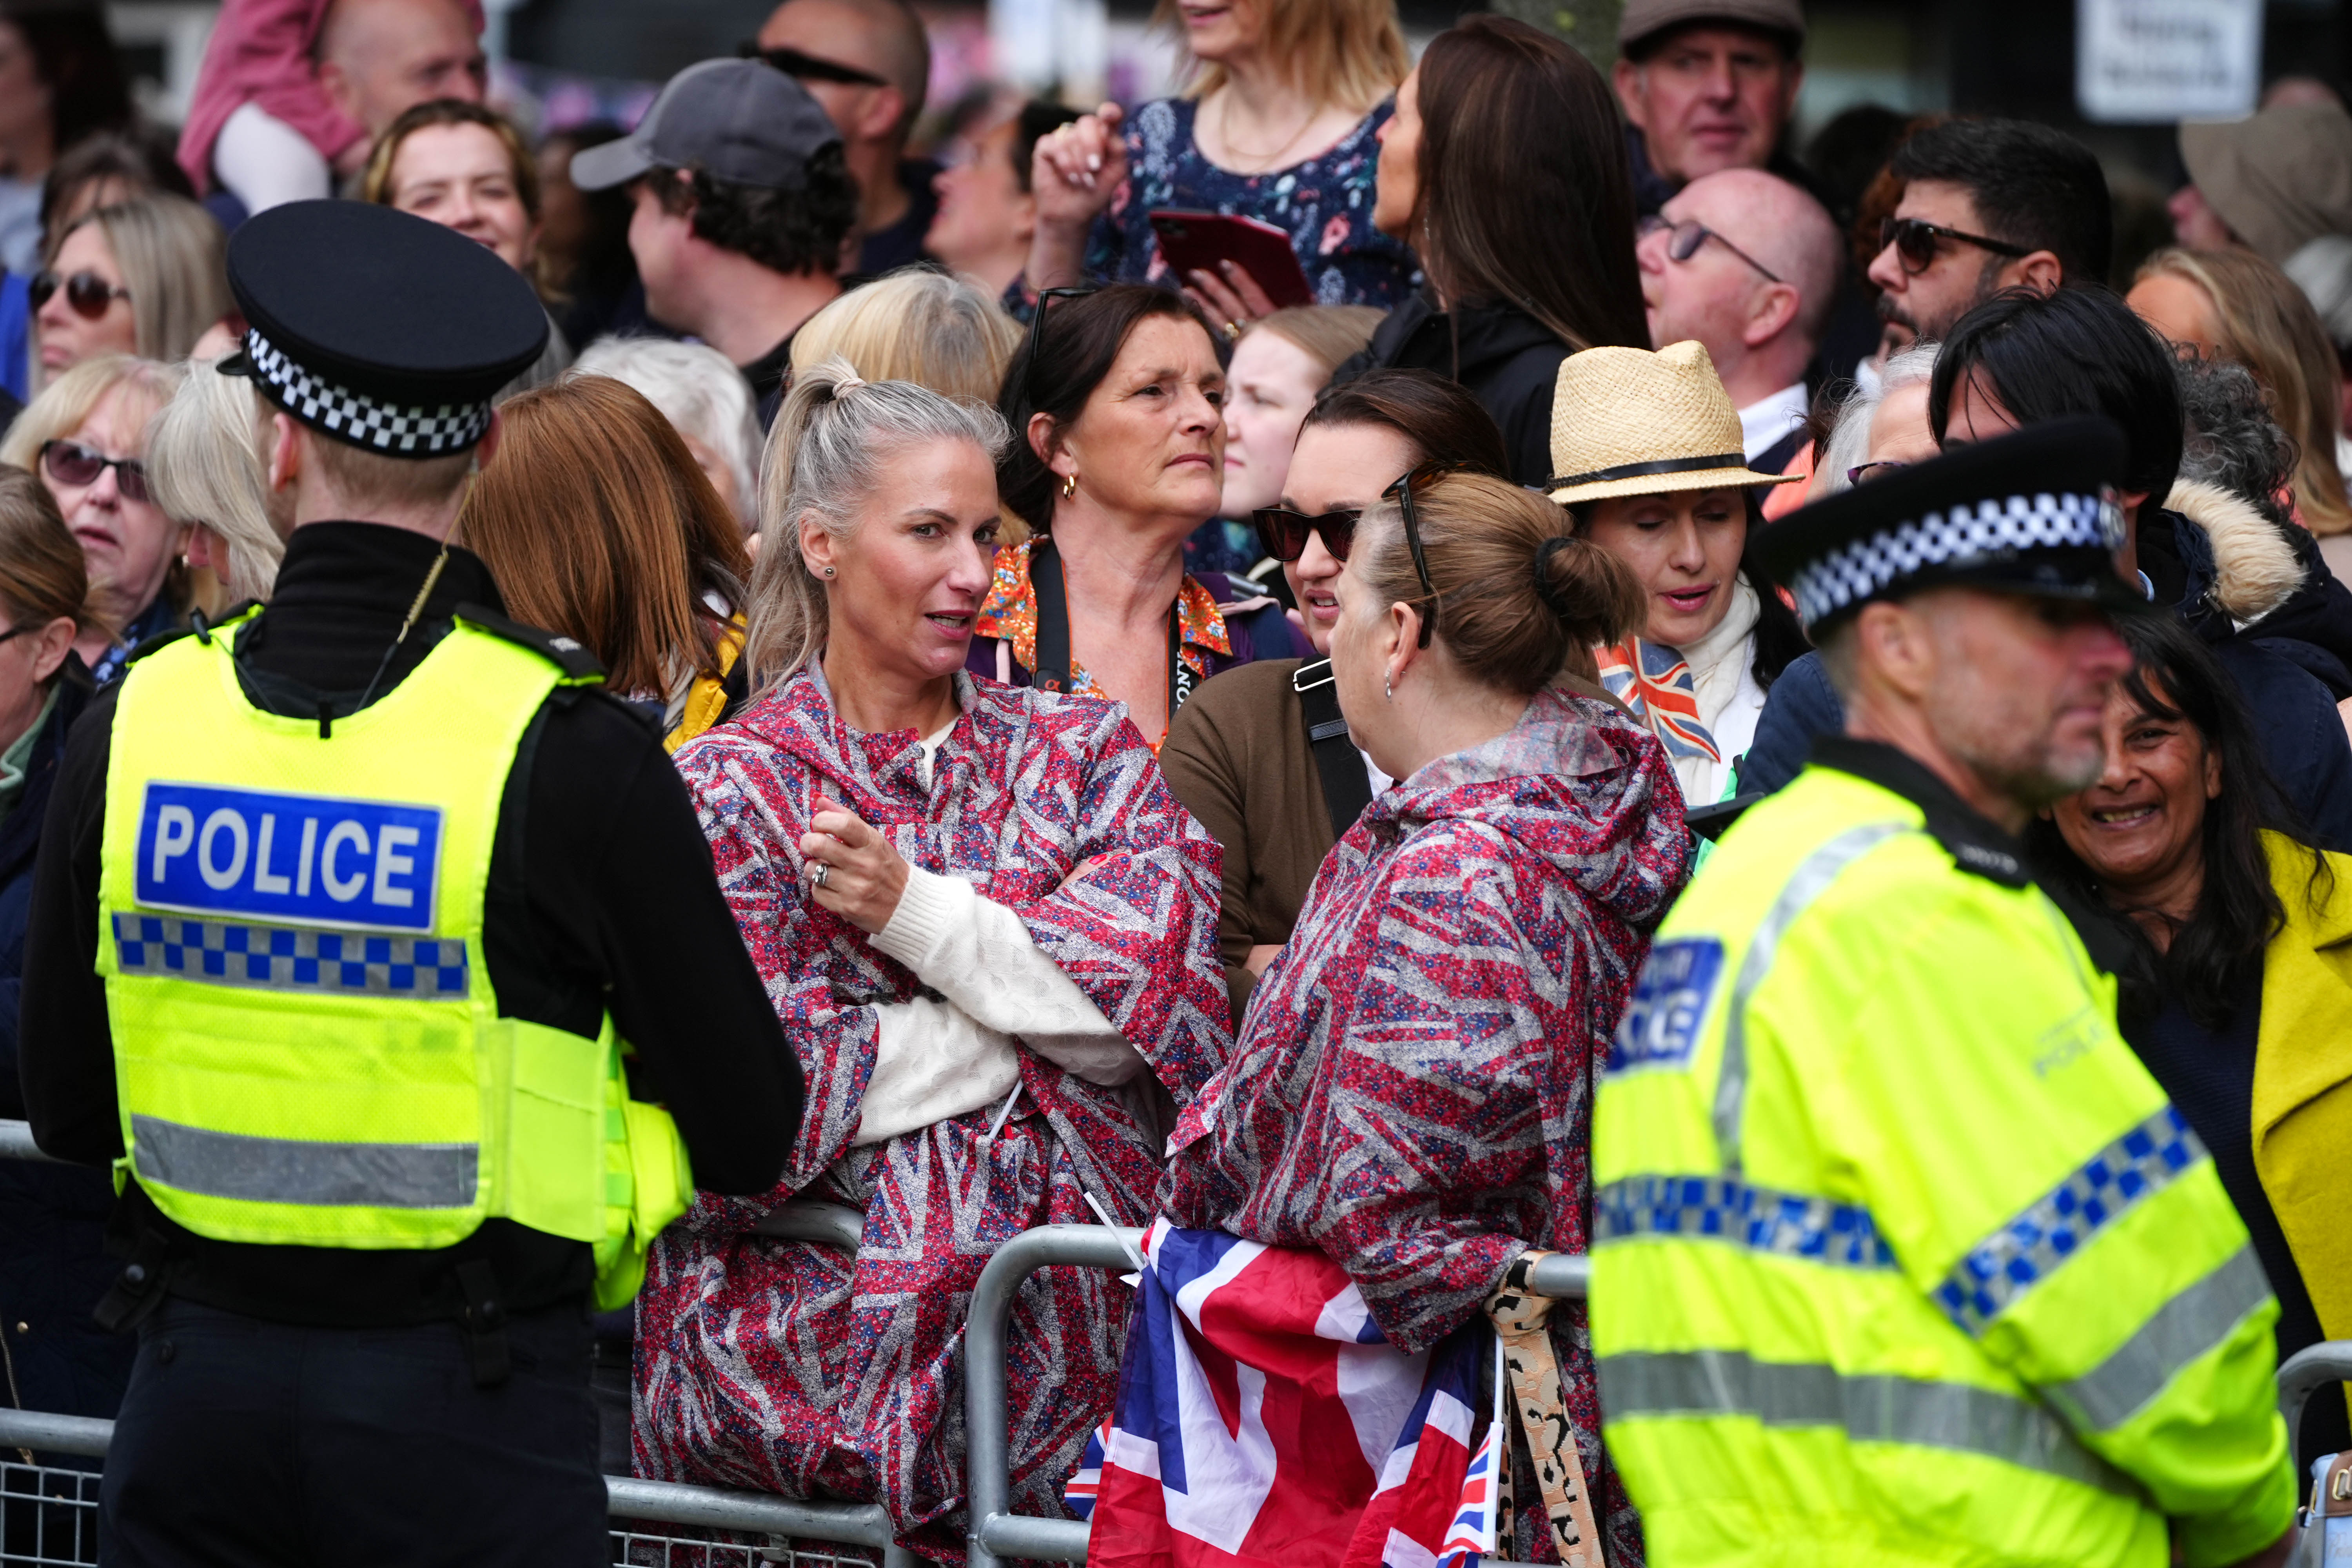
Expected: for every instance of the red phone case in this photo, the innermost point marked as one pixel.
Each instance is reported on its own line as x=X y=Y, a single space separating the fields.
x=1197 y=241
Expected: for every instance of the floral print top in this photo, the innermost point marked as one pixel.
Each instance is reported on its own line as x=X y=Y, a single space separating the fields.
x=1325 y=204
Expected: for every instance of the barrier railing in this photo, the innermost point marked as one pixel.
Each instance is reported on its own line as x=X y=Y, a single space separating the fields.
x=627 y=1497
x=996 y=1533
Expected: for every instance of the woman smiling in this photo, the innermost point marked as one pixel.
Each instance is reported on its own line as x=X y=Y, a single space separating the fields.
x=940 y=879
x=2233 y=943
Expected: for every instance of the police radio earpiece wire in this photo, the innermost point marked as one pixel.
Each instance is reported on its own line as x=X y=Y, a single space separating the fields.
x=423 y=592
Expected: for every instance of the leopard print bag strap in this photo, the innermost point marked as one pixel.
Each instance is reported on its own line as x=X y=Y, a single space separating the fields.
x=1519 y=1318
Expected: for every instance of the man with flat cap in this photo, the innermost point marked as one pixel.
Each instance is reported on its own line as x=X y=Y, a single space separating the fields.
x=366 y=933
x=1900 y=1257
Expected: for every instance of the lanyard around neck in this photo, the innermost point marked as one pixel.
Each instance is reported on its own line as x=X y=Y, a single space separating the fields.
x=1054 y=664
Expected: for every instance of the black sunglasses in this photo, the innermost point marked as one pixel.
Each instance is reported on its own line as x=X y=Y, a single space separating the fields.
x=1914 y=240
x=810 y=67
x=1687 y=235
x=1283 y=534
x=1403 y=490
x=87 y=293
x=1037 y=332
x=71 y=463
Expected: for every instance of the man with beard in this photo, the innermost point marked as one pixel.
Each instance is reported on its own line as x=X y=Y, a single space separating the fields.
x=1897 y=1249
x=1987 y=205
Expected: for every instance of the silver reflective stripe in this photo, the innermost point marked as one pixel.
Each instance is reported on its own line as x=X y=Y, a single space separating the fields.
x=1811 y=880
x=2189 y=1326
x=298 y=1171
x=1870 y=1408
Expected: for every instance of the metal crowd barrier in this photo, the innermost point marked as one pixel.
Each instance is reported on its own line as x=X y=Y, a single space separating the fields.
x=55 y=1509
x=997 y=1532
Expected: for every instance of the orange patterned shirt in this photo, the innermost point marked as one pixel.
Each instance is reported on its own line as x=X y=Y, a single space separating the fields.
x=1010 y=613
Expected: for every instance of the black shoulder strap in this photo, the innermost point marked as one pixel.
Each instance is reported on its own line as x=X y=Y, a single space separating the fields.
x=568 y=653
x=1347 y=787
x=1052 y=671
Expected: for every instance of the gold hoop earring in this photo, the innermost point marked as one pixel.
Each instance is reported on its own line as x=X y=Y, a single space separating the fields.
x=1069 y=484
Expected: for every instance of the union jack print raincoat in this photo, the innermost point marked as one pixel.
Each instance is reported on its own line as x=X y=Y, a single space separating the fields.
x=795 y=1367
x=1412 y=1092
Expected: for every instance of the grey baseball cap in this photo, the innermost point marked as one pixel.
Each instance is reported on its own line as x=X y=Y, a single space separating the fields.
x=744 y=121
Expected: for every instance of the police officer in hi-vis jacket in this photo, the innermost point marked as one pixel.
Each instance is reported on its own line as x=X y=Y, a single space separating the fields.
x=380 y=951
x=1900 y=1257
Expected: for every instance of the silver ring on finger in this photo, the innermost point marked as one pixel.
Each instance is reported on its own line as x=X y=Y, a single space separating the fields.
x=817 y=877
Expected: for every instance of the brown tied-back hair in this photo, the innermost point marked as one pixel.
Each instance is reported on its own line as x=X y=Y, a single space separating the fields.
x=598 y=523
x=42 y=575
x=1445 y=423
x=1518 y=598
x=1551 y=234
x=375 y=185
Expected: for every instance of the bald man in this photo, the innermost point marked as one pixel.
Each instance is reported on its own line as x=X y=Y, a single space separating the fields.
x=378 y=58
x=1747 y=264
x=868 y=64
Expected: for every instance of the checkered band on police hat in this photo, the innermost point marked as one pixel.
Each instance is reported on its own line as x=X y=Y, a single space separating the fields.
x=1994 y=529
x=366 y=422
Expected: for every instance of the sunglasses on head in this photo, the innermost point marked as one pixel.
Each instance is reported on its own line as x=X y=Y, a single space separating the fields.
x=71 y=463
x=810 y=67
x=87 y=293
x=1283 y=534
x=1046 y=296
x=1420 y=476
x=1914 y=240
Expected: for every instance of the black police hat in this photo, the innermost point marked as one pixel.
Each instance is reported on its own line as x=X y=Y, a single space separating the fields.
x=2031 y=512
x=378 y=328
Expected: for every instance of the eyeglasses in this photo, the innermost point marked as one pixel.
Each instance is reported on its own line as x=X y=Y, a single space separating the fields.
x=1403 y=490
x=1283 y=532
x=810 y=67
x=1046 y=296
x=1878 y=470
x=87 y=293
x=1687 y=235
x=71 y=463
x=1914 y=240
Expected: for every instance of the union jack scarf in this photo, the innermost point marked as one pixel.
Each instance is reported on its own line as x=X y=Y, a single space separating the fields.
x=1656 y=682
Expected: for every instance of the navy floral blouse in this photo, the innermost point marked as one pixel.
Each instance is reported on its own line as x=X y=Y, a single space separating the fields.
x=1325 y=204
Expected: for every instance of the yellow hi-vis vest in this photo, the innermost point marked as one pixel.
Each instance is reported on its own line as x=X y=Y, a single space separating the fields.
x=307 y=1050
x=1900 y=1257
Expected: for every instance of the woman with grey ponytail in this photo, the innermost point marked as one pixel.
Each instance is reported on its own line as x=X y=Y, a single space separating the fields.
x=991 y=929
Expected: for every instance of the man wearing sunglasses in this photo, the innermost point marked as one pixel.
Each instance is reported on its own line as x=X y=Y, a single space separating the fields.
x=1987 y=205
x=1745 y=264
x=867 y=64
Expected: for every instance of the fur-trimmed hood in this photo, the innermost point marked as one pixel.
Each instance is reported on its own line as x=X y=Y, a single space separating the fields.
x=2255 y=567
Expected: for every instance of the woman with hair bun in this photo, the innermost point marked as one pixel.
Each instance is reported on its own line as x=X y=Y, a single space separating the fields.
x=1409 y=1100
x=992 y=932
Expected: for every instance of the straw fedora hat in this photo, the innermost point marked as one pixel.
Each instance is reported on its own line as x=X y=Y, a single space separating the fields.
x=1627 y=422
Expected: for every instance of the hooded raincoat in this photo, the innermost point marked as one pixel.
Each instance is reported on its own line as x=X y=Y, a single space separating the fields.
x=1412 y=1090
x=795 y=1367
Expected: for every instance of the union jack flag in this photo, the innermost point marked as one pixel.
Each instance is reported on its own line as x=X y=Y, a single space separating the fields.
x=1263 y=1420
x=1656 y=682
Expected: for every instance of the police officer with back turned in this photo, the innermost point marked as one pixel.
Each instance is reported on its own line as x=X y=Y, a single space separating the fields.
x=1900 y=1257
x=381 y=953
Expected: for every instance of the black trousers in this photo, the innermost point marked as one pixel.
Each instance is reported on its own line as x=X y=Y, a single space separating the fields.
x=246 y=1443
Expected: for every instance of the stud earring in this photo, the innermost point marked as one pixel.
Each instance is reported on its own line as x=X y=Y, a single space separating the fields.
x=1069 y=484
x=828 y=571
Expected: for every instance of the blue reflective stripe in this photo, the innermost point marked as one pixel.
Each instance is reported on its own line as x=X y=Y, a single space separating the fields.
x=290 y=958
x=1759 y=1219
x=2009 y=1262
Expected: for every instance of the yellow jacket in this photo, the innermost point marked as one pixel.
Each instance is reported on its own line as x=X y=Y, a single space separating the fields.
x=2303 y=1080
